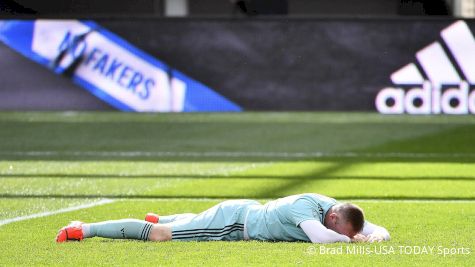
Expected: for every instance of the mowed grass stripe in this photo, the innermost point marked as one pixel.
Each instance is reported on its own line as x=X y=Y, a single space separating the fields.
x=191 y=176
x=91 y=203
x=233 y=188
x=237 y=180
x=211 y=169
x=94 y=203
x=219 y=197
x=236 y=154
x=279 y=134
x=360 y=200
x=255 y=117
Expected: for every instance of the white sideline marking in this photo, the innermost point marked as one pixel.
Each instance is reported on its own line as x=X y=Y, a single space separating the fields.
x=48 y=213
x=128 y=154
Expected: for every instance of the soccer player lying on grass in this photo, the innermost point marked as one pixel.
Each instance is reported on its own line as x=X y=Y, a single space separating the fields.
x=306 y=217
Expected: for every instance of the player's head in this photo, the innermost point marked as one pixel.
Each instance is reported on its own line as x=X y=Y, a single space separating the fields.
x=345 y=218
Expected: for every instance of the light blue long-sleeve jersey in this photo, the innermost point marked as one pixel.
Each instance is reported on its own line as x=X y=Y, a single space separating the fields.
x=279 y=219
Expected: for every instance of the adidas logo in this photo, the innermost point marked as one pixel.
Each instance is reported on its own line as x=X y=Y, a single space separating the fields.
x=439 y=82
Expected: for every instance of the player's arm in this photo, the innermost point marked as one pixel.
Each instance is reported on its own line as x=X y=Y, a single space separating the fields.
x=318 y=233
x=374 y=233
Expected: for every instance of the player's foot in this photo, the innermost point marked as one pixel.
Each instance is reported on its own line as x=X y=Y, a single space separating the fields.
x=152 y=217
x=71 y=232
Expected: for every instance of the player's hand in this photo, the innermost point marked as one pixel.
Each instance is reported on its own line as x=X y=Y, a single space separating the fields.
x=371 y=238
x=359 y=238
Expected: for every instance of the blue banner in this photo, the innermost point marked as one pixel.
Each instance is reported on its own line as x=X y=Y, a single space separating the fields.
x=110 y=67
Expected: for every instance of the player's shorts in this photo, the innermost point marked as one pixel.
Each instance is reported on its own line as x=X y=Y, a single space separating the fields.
x=225 y=221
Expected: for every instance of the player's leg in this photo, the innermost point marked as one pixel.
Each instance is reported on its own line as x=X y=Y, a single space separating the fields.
x=161 y=232
x=117 y=229
x=155 y=218
x=224 y=221
x=176 y=217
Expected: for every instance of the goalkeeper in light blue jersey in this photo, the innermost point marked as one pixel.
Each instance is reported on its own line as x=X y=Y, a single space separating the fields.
x=305 y=217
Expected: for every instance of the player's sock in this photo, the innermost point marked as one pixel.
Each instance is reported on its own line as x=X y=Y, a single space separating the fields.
x=119 y=229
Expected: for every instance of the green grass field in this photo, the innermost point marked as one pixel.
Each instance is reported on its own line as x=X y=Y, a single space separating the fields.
x=413 y=175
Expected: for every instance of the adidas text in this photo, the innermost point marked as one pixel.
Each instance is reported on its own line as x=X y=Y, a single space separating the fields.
x=441 y=81
x=427 y=99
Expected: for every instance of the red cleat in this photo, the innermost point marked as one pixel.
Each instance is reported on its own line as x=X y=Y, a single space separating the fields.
x=152 y=217
x=71 y=232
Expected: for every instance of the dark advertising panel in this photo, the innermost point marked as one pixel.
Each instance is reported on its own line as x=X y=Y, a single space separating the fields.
x=394 y=66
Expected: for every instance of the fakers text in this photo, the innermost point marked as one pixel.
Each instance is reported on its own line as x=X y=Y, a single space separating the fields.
x=119 y=72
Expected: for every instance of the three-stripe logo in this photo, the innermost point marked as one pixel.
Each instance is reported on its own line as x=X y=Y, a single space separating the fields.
x=439 y=82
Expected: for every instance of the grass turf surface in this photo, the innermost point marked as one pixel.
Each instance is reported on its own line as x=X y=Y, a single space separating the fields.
x=414 y=175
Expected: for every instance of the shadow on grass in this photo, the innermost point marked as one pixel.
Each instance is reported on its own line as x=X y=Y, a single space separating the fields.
x=284 y=141
x=236 y=141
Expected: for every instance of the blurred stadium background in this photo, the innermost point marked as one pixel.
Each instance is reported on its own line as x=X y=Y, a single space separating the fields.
x=258 y=54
